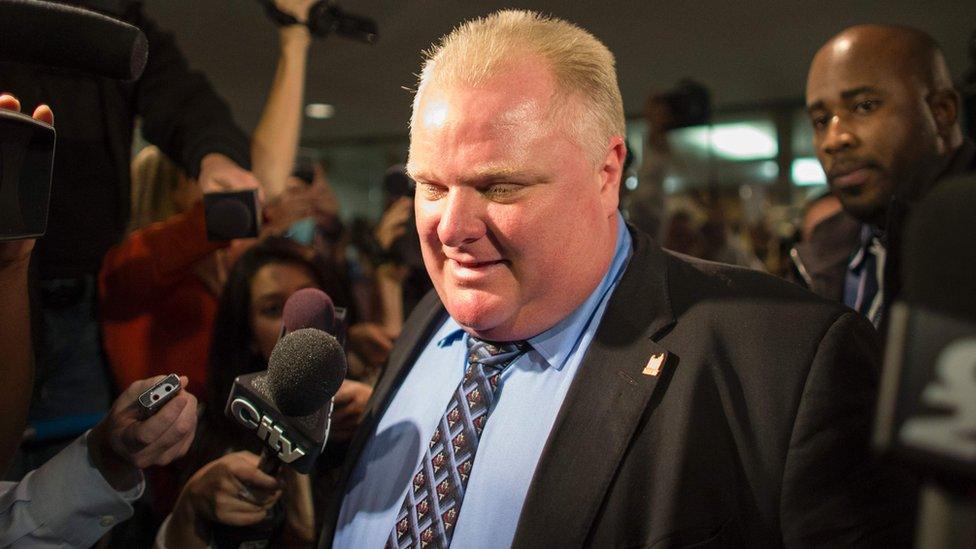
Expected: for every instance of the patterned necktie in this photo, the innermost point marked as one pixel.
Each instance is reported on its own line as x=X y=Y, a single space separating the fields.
x=863 y=284
x=433 y=501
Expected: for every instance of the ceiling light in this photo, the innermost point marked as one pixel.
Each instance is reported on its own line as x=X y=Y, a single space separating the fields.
x=733 y=141
x=807 y=172
x=743 y=141
x=319 y=111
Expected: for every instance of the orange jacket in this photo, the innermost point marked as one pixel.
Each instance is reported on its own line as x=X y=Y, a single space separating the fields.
x=156 y=314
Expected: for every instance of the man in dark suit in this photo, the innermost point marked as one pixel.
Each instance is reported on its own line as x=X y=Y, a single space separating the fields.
x=572 y=384
x=886 y=128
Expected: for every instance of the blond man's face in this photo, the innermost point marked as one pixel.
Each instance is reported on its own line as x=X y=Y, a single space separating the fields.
x=517 y=226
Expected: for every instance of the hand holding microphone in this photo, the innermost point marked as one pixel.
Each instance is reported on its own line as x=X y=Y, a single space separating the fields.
x=232 y=199
x=214 y=493
x=288 y=406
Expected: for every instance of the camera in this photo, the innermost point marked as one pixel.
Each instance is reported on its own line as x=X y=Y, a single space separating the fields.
x=325 y=18
x=26 y=161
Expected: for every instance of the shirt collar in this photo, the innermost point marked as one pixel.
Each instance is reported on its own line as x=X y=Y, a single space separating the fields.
x=455 y=333
x=557 y=343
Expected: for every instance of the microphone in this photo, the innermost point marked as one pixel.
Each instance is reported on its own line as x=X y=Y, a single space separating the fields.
x=313 y=308
x=288 y=406
x=927 y=406
x=231 y=214
x=308 y=308
x=56 y=35
x=305 y=370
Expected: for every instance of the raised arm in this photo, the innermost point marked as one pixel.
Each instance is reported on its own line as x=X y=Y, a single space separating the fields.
x=275 y=140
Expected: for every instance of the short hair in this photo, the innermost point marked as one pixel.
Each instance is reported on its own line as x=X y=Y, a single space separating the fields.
x=583 y=68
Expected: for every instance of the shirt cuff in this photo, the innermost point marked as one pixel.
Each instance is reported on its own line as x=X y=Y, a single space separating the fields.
x=70 y=496
x=160 y=541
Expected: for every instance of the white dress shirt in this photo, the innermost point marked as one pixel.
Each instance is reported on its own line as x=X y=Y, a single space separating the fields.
x=64 y=503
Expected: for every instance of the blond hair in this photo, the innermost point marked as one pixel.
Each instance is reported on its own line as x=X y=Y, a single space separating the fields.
x=154 y=180
x=584 y=69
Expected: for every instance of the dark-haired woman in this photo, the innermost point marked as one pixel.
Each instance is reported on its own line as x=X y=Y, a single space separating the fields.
x=227 y=487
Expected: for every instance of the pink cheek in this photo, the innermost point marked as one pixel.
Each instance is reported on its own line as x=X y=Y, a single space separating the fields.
x=427 y=229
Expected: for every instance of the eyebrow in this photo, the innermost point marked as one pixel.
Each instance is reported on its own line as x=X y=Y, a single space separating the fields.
x=490 y=175
x=494 y=175
x=270 y=297
x=845 y=95
x=848 y=94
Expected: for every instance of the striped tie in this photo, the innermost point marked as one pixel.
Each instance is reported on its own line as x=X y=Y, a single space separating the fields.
x=433 y=501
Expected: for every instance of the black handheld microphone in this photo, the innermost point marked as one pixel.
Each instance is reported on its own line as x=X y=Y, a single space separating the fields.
x=927 y=406
x=288 y=407
x=289 y=404
x=56 y=35
x=232 y=214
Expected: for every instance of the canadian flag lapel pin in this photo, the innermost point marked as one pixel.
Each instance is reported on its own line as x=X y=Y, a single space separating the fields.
x=655 y=363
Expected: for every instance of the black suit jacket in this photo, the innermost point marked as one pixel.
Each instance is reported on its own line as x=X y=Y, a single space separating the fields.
x=754 y=433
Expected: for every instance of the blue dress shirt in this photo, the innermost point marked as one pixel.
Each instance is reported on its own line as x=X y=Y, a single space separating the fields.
x=530 y=394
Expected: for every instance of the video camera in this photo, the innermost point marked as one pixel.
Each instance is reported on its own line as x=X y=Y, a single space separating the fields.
x=325 y=18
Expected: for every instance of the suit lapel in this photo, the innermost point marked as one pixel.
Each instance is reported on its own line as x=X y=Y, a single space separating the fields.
x=416 y=330
x=608 y=398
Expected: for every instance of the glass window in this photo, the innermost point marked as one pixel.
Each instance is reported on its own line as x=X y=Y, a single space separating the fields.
x=356 y=173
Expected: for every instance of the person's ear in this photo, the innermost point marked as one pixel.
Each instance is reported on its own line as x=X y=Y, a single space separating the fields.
x=944 y=105
x=611 y=171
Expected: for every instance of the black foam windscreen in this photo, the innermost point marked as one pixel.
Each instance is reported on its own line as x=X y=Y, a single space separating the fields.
x=305 y=370
x=56 y=35
x=231 y=214
x=939 y=267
